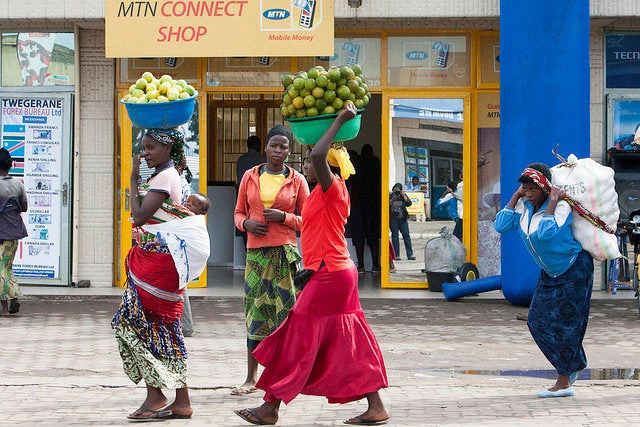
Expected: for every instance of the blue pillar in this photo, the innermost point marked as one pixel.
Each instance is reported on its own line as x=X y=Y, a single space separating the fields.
x=544 y=101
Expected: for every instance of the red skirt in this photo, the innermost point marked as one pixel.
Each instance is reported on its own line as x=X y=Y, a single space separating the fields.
x=158 y=270
x=324 y=347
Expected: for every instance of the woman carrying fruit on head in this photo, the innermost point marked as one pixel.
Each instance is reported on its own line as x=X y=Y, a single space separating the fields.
x=147 y=324
x=270 y=199
x=325 y=346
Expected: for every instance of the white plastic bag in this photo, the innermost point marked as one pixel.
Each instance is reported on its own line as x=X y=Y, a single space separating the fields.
x=592 y=185
x=188 y=243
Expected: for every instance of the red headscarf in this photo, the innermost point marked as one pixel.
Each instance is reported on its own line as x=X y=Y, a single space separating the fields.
x=539 y=178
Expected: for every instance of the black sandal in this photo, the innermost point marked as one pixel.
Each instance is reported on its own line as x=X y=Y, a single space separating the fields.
x=14 y=306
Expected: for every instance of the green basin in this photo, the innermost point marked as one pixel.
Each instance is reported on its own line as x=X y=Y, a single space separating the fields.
x=308 y=130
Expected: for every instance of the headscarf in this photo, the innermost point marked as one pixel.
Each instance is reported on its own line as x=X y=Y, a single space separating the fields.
x=339 y=158
x=174 y=137
x=538 y=178
x=166 y=136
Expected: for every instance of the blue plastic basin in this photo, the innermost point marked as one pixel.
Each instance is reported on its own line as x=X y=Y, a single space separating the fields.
x=161 y=115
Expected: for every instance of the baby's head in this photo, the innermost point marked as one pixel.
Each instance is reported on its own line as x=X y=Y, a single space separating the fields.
x=198 y=203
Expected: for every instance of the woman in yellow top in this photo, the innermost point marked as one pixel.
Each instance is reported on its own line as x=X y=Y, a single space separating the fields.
x=270 y=199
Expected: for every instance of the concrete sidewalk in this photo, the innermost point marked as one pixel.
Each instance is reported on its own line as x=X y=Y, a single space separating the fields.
x=463 y=363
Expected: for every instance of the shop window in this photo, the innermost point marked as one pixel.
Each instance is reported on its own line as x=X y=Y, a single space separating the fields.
x=429 y=61
x=349 y=51
x=179 y=68
x=263 y=71
x=489 y=70
x=37 y=59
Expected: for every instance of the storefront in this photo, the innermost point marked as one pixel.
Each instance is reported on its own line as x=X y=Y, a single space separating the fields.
x=427 y=86
x=241 y=96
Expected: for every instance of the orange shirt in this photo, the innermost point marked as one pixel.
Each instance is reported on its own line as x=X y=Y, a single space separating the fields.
x=290 y=198
x=324 y=216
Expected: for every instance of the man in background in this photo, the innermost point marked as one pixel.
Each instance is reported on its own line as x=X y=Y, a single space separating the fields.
x=245 y=162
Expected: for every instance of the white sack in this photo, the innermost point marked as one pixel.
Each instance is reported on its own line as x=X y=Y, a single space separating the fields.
x=592 y=185
x=188 y=242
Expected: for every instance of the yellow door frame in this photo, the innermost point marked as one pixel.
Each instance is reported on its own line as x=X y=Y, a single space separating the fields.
x=123 y=239
x=469 y=158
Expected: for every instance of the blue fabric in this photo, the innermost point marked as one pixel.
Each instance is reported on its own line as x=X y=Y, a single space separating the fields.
x=400 y=224
x=553 y=247
x=559 y=313
x=452 y=207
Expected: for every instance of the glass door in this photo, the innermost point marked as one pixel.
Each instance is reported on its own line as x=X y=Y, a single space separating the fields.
x=427 y=144
x=233 y=118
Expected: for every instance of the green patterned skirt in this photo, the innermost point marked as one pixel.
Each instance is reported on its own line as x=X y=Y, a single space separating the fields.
x=9 y=288
x=269 y=293
x=140 y=364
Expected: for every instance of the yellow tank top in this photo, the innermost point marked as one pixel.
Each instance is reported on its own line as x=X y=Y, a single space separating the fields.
x=270 y=185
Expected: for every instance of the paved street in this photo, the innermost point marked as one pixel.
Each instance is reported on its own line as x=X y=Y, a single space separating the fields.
x=449 y=363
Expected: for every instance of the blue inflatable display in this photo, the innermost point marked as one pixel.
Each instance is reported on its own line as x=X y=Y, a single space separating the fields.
x=544 y=101
x=460 y=289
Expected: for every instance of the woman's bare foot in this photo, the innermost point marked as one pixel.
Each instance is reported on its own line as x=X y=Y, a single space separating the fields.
x=376 y=413
x=5 y=308
x=267 y=413
x=155 y=400
x=562 y=382
x=180 y=410
x=181 y=406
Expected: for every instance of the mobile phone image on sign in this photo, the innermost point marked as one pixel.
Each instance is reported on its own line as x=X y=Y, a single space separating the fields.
x=351 y=51
x=308 y=9
x=442 y=53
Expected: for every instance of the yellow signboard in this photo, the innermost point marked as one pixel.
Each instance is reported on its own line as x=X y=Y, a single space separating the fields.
x=417 y=202
x=209 y=28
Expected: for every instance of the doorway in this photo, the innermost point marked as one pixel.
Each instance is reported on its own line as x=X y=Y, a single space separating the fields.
x=232 y=118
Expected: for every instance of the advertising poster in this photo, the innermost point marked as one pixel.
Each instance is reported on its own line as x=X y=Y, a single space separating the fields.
x=489 y=60
x=429 y=61
x=626 y=124
x=489 y=262
x=193 y=28
x=409 y=154
x=622 y=60
x=32 y=132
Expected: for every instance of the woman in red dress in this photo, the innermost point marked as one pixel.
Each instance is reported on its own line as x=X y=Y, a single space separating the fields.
x=325 y=347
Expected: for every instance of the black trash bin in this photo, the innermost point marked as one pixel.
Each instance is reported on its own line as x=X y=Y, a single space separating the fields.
x=435 y=280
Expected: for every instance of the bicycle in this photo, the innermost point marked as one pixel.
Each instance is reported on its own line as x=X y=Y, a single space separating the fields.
x=631 y=230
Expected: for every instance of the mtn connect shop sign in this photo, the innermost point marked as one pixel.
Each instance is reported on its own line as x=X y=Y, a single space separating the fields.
x=193 y=28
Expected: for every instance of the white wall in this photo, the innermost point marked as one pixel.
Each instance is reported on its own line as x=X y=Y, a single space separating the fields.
x=95 y=147
x=52 y=9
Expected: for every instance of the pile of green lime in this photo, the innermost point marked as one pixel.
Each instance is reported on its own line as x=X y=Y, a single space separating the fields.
x=317 y=91
x=149 y=89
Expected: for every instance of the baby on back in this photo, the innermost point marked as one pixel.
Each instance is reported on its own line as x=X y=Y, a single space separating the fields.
x=198 y=203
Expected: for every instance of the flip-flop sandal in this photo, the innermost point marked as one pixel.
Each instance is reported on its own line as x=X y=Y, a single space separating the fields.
x=151 y=417
x=170 y=415
x=243 y=391
x=361 y=421
x=245 y=413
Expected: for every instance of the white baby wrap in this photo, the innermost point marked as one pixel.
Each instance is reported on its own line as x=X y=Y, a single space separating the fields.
x=188 y=243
